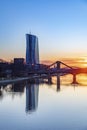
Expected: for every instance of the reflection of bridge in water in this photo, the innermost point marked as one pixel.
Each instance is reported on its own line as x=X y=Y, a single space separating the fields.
x=32 y=92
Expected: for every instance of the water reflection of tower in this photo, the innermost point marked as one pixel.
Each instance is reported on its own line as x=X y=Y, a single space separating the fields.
x=32 y=91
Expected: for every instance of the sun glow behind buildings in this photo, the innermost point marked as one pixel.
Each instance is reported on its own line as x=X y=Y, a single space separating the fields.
x=78 y=62
x=71 y=61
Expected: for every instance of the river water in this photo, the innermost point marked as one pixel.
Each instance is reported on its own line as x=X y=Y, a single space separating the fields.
x=44 y=106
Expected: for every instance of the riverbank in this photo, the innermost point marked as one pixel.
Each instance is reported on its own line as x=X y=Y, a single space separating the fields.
x=7 y=81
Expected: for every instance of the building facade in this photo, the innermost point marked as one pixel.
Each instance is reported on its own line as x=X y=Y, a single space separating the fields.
x=32 y=50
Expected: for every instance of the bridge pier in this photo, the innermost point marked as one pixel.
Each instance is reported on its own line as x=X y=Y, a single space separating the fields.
x=74 y=79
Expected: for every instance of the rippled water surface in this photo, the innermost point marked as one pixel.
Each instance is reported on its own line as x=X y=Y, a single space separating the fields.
x=61 y=105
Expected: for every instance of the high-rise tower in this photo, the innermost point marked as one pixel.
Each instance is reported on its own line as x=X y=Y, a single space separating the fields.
x=32 y=50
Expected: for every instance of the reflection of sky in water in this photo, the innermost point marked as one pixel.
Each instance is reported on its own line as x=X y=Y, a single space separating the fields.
x=62 y=110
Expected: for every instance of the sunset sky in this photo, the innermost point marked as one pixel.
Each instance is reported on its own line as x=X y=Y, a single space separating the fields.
x=60 y=25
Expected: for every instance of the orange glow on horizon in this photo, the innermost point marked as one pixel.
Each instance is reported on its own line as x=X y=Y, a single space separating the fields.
x=72 y=61
x=78 y=61
x=82 y=79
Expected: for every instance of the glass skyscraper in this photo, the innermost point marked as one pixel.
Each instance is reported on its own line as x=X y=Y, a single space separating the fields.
x=32 y=50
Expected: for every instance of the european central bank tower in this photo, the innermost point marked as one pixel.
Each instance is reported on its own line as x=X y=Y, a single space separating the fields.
x=32 y=50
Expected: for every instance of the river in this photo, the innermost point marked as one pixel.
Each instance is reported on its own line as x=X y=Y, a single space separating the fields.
x=61 y=105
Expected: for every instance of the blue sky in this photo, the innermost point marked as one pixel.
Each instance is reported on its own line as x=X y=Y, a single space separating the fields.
x=61 y=26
